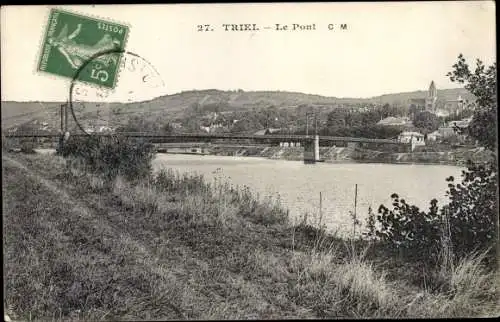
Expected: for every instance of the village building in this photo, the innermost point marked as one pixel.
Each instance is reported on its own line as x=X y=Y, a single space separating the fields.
x=267 y=131
x=449 y=129
x=432 y=104
x=176 y=125
x=414 y=138
x=409 y=136
x=420 y=104
x=395 y=121
x=463 y=123
x=434 y=136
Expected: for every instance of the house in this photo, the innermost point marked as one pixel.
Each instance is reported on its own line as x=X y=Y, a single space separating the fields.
x=409 y=136
x=463 y=123
x=176 y=125
x=442 y=112
x=434 y=136
x=457 y=105
x=104 y=128
x=395 y=121
x=414 y=138
x=267 y=131
x=447 y=131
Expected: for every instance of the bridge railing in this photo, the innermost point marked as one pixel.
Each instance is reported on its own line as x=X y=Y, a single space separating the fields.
x=272 y=137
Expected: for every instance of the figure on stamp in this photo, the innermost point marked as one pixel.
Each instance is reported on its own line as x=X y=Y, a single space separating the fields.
x=76 y=54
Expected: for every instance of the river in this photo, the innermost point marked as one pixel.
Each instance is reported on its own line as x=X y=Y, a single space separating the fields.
x=298 y=185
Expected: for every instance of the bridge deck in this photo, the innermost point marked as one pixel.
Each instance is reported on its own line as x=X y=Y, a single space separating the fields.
x=204 y=137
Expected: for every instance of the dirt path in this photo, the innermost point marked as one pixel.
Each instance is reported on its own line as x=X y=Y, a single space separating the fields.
x=75 y=207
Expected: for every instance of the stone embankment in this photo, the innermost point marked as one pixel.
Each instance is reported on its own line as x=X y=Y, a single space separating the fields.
x=348 y=154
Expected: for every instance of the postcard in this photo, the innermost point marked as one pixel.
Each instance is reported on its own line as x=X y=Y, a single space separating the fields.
x=249 y=161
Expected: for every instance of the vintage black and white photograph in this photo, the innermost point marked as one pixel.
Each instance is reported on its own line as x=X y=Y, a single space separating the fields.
x=249 y=161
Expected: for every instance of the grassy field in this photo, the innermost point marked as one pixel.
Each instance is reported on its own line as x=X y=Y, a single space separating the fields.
x=77 y=247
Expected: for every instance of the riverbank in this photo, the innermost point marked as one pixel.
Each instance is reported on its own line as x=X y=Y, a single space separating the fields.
x=78 y=247
x=457 y=157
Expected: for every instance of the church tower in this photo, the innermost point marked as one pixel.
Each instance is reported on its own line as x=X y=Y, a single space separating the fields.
x=430 y=101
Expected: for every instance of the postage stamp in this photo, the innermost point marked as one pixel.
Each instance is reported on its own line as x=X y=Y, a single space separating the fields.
x=72 y=41
x=99 y=109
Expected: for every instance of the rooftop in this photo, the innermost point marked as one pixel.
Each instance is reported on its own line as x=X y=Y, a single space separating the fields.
x=410 y=133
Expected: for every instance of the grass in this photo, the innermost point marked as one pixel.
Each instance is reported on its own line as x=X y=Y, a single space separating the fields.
x=174 y=246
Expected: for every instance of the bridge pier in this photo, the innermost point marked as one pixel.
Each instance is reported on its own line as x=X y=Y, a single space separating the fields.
x=311 y=150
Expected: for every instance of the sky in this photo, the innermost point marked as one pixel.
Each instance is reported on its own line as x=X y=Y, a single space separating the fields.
x=386 y=48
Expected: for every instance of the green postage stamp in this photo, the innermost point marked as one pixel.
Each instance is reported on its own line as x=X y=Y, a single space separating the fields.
x=83 y=48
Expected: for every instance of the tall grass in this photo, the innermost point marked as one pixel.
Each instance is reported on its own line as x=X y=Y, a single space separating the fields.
x=111 y=156
x=228 y=200
x=189 y=198
x=329 y=278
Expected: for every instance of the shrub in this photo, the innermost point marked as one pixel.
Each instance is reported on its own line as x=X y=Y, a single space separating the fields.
x=111 y=156
x=473 y=208
x=407 y=227
x=472 y=213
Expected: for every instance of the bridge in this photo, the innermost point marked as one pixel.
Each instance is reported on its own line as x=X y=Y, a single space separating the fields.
x=310 y=143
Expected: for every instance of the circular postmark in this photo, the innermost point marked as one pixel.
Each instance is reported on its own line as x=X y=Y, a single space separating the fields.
x=97 y=109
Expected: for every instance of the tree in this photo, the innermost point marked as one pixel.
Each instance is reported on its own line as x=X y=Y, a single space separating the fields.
x=427 y=121
x=371 y=117
x=386 y=110
x=473 y=208
x=167 y=129
x=475 y=200
x=247 y=124
x=336 y=118
x=482 y=83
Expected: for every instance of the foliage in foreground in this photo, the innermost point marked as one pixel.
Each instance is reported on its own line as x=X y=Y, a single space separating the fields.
x=175 y=240
x=469 y=222
x=111 y=156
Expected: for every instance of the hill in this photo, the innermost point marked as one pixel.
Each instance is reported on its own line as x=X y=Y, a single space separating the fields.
x=176 y=105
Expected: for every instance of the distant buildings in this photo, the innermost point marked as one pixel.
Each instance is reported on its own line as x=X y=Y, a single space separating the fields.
x=99 y=129
x=432 y=95
x=432 y=104
x=434 y=136
x=414 y=138
x=214 y=122
x=395 y=121
x=448 y=131
x=456 y=106
x=409 y=136
x=463 y=123
x=428 y=103
x=212 y=127
x=267 y=131
x=176 y=125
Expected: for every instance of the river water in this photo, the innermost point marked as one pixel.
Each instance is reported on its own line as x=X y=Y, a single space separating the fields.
x=298 y=185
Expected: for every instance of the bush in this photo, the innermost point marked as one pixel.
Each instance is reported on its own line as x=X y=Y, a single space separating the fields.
x=473 y=208
x=471 y=216
x=468 y=220
x=408 y=228
x=111 y=156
